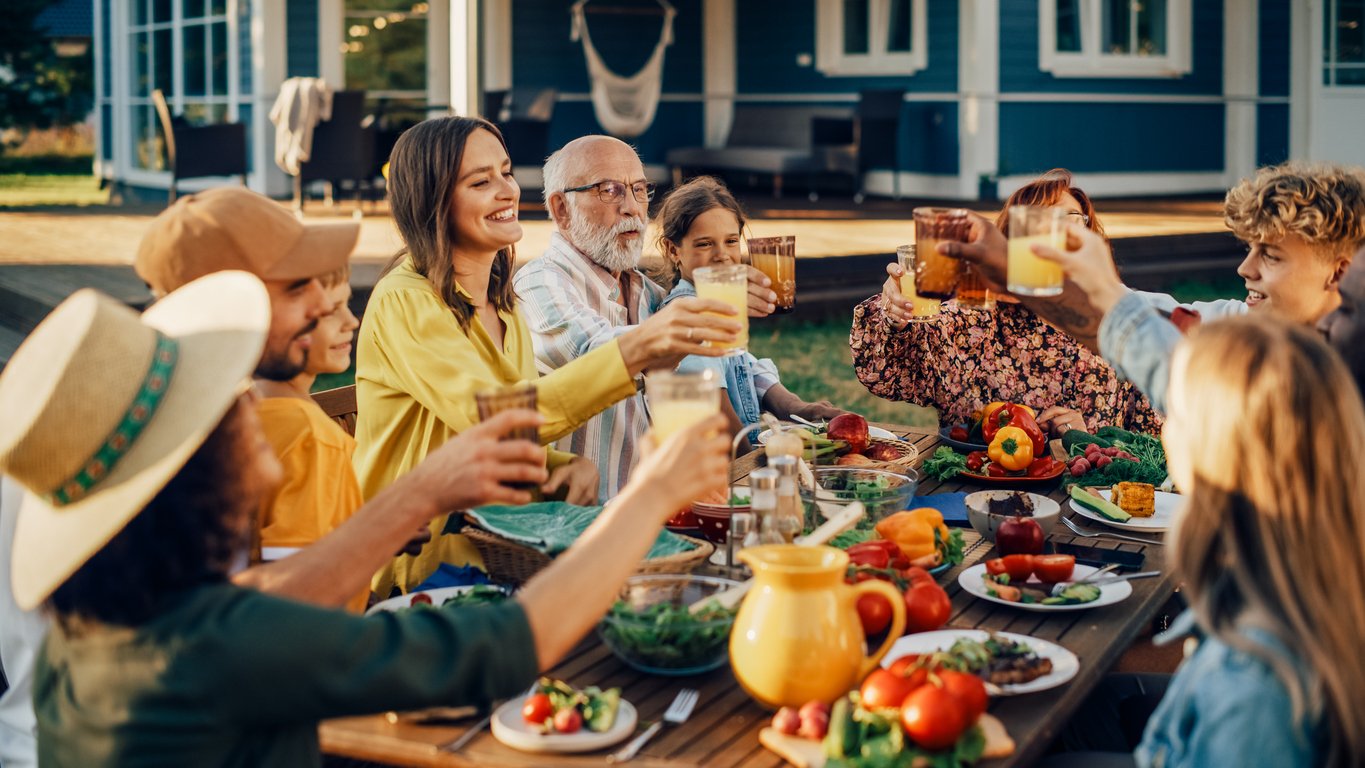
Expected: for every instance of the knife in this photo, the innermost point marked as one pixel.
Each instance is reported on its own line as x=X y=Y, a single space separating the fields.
x=1100 y=582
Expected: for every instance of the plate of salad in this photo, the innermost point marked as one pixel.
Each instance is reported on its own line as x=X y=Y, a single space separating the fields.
x=556 y=717
x=991 y=581
x=468 y=595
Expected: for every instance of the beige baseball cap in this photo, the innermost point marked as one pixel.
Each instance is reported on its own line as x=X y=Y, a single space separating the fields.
x=235 y=228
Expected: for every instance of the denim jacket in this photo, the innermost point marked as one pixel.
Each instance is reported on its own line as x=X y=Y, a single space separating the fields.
x=1225 y=707
x=1139 y=342
x=746 y=378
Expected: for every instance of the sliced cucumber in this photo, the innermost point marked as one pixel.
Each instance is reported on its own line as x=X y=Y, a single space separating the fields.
x=1099 y=505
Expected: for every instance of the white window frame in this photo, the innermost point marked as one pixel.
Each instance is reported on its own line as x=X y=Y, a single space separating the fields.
x=831 y=60
x=1091 y=61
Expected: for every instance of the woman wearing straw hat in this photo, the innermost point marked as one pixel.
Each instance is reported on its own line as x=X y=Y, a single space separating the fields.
x=143 y=463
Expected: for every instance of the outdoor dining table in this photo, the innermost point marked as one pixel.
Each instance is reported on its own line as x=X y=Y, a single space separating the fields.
x=723 y=730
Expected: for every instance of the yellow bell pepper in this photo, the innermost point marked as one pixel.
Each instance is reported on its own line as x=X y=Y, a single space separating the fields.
x=1012 y=449
x=913 y=532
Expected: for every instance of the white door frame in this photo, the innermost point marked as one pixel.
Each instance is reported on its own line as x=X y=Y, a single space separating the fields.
x=1309 y=100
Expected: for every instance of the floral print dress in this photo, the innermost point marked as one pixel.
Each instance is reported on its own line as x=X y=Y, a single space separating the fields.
x=969 y=358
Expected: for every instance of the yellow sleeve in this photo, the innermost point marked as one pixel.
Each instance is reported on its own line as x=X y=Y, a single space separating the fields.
x=425 y=353
x=555 y=458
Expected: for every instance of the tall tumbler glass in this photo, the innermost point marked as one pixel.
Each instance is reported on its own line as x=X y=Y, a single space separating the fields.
x=730 y=284
x=776 y=258
x=972 y=292
x=923 y=310
x=679 y=400
x=491 y=402
x=1029 y=275
x=937 y=275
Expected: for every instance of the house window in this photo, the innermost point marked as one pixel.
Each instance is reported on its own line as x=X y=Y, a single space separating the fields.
x=1114 y=38
x=384 y=45
x=1343 y=49
x=180 y=47
x=871 y=37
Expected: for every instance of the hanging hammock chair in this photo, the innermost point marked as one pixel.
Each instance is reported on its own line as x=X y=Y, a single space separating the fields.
x=625 y=106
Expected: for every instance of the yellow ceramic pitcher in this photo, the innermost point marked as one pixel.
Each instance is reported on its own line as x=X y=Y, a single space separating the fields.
x=797 y=636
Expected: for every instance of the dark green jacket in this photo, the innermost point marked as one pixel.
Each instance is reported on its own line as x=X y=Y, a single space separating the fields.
x=231 y=677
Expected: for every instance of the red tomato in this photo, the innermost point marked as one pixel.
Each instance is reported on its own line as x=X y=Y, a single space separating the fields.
x=934 y=718
x=421 y=598
x=1019 y=567
x=875 y=614
x=958 y=433
x=927 y=607
x=568 y=720
x=885 y=689
x=1054 y=567
x=537 y=709
x=995 y=470
x=917 y=575
x=969 y=689
x=995 y=566
x=910 y=668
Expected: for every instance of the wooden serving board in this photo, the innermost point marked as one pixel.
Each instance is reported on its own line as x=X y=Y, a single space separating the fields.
x=804 y=753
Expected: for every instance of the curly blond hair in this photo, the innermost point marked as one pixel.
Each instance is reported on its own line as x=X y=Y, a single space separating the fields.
x=1323 y=204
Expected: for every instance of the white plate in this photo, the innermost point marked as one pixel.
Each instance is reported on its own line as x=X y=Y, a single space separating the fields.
x=1167 y=505
x=871 y=432
x=509 y=728
x=1065 y=665
x=438 y=598
x=971 y=581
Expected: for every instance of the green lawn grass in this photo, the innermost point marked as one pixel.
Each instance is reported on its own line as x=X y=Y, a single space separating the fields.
x=30 y=189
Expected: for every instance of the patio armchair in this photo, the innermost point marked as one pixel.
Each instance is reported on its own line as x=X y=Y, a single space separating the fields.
x=205 y=150
x=343 y=149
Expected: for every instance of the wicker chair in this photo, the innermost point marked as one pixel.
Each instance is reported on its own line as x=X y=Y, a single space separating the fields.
x=207 y=150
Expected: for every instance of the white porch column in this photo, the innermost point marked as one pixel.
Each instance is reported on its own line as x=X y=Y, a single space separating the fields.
x=1303 y=67
x=718 y=70
x=979 y=81
x=464 y=57
x=497 y=48
x=1241 y=37
x=268 y=49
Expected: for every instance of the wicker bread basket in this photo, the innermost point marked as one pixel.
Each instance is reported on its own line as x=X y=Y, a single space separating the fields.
x=509 y=562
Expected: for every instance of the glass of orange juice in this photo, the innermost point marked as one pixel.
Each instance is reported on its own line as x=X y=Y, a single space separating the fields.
x=730 y=284
x=923 y=309
x=937 y=275
x=1028 y=275
x=679 y=400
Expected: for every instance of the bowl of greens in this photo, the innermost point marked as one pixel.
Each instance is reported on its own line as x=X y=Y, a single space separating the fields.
x=653 y=628
x=881 y=491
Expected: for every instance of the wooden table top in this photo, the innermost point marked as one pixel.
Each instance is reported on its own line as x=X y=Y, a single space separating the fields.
x=723 y=730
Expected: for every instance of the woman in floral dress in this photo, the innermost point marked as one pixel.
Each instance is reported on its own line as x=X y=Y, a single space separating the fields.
x=968 y=358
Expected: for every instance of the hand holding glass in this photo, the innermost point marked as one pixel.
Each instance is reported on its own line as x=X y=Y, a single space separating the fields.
x=776 y=258
x=679 y=400
x=729 y=284
x=937 y=275
x=923 y=310
x=491 y=402
x=1028 y=275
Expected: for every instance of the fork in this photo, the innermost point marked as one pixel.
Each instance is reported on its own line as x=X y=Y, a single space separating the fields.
x=1076 y=529
x=677 y=714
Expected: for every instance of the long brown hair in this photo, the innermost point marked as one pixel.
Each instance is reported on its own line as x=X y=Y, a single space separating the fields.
x=1266 y=427
x=1047 y=191
x=422 y=171
x=682 y=207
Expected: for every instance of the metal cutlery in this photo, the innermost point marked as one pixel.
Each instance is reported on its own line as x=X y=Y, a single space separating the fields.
x=1077 y=530
x=1058 y=588
x=677 y=714
x=474 y=730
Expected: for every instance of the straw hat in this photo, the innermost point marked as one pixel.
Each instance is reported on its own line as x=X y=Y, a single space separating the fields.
x=103 y=407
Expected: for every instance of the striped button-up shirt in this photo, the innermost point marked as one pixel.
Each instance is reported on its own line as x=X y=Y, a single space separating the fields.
x=572 y=305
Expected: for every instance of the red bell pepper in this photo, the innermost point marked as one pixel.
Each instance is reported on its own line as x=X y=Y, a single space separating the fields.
x=1012 y=415
x=1042 y=467
x=976 y=460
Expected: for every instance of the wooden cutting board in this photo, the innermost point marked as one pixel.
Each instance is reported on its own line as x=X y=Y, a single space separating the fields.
x=804 y=753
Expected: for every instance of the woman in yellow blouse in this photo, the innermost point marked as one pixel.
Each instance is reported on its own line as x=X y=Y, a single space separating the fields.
x=442 y=325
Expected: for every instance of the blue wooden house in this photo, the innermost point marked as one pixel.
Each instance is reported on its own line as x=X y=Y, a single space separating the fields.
x=1138 y=97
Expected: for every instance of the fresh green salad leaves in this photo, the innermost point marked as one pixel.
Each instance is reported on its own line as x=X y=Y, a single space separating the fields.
x=668 y=636
x=944 y=464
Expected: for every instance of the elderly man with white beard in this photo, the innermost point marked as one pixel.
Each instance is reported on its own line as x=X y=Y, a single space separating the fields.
x=588 y=289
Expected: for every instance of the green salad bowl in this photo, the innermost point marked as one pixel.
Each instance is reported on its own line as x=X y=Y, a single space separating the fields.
x=652 y=628
x=881 y=491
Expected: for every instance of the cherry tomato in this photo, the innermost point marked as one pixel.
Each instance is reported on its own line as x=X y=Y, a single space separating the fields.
x=875 y=614
x=969 y=689
x=568 y=720
x=995 y=470
x=917 y=575
x=927 y=607
x=1053 y=567
x=421 y=598
x=884 y=689
x=958 y=433
x=537 y=709
x=976 y=460
x=934 y=718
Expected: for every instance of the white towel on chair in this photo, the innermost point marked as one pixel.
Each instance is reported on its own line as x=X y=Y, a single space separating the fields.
x=303 y=103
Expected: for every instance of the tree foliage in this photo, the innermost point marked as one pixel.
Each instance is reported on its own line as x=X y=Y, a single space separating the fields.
x=38 y=88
